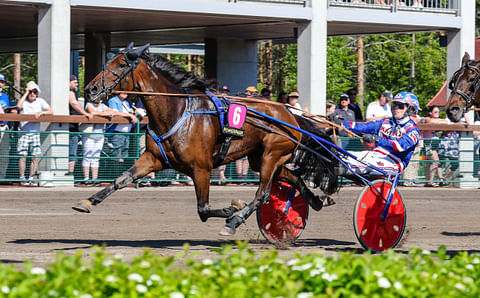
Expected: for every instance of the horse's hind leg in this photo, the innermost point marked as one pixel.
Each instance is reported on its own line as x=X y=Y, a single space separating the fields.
x=144 y=165
x=313 y=200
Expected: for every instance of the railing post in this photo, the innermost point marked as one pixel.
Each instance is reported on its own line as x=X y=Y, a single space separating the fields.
x=466 y=158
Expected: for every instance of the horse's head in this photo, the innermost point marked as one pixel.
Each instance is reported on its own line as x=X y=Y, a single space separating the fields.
x=464 y=84
x=118 y=74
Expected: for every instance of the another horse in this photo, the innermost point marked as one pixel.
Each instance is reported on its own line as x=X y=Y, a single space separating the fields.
x=464 y=84
x=186 y=136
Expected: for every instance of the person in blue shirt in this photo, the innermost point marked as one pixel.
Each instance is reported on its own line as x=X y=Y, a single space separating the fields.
x=120 y=141
x=4 y=102
x=395 y=138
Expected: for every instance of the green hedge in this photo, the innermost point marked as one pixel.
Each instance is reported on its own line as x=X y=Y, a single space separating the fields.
x=240 y=272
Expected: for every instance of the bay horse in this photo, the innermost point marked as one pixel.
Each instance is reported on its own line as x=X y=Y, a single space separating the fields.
x=464 y=84
x=191 y=136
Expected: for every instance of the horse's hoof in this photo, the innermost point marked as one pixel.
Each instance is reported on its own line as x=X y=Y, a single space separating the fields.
x=328 y=201
x=238 y=204
x=316 y=203
x=83 y=206
x=227 y=231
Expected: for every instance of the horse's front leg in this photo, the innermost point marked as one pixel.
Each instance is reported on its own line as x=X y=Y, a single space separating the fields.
x=201 y=180
x=144 y=165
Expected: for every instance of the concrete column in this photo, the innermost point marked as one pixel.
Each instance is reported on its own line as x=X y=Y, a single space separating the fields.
x=96 y=46
x=235 y=65
x=312 y=60
x=53 y=79
x=460 y=42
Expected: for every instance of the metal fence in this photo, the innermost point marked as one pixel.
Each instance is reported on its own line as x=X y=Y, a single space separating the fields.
x=440 y=6
x=449 y=173
x=294 y=2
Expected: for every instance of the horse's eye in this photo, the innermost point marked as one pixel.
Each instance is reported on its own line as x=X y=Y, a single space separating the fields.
x=471 y=79
x=122 y=65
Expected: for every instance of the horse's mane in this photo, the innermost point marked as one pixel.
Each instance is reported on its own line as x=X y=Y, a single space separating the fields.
x=176 y=74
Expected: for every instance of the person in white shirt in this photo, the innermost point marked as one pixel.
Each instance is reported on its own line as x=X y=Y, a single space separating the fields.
x=31 y=104
x=380 y=109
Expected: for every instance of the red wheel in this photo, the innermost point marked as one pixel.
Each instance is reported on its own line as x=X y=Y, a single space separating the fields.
x=273 y=223
x=371 y=231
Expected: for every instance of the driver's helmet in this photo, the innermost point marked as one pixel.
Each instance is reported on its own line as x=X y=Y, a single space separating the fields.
x=410 y=99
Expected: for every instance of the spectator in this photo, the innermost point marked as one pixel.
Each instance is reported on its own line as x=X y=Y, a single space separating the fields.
x=75 y=109
x=431 y=141
x=379 y=109
x=4 y=103
x=139 y=110
x=120 y=142
x=352 y=94
x=265 y=94
x=330 y=108
x=92 y=144
x=293 y=99
x=343 y=112
x=29 y=140
x=251 y=91
x=282 y=97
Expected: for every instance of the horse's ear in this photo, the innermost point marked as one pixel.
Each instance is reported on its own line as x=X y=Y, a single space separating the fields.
x=465 y=58
x=139 y=51
x=129 y=47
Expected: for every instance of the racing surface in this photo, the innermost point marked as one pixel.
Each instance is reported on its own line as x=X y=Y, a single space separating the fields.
x=37 y=223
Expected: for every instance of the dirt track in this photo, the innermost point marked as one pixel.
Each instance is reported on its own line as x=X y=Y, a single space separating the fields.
x=37 y=223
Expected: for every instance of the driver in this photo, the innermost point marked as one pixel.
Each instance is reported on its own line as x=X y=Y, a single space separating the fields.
x=395 y=138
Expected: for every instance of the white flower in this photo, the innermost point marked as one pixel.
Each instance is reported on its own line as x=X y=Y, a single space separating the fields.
x=141 y=288
x=176 y=295
x=384 y=283
x=460 y=286
x=292 y=262
x=329 y=277
x=85 y=296
x=316 y=272
x=135 y=277
x=207 y=262
x=476 y=261
x=111 y=278
x=469 y=266
x=194 y=290
x=52 y=293
x=75 y=292
x=302 y=267
x=206 y=271
x=149 y=282
x=377 y=273
x=5 y=289
x=397 y=285
x=83 y=268
x=435 y=276
x=467 y=279
x=240 y=271
x=118 y=257
x=107 y=262
x=144 y=264
x=305 y=295
x=184 y=282
x=37 y=270
x=426 y=252
x=264 y=267
x=155 y=277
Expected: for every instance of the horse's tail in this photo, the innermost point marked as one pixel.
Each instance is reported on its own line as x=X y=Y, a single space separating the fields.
x=315 y=168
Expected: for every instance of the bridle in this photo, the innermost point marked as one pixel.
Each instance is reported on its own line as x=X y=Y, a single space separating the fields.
x=469 y=99
x=122 y=77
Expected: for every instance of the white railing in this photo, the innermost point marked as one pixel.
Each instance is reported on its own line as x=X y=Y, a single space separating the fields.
x=294 y=2
x=439 y=6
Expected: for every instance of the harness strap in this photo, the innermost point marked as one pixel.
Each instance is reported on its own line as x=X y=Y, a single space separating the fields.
x=222 y=152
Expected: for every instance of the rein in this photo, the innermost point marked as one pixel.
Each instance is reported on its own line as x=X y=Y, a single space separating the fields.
x=305 y=115
x=475 y=84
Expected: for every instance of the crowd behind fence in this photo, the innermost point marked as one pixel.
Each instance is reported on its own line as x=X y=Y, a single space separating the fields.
x=110 y=168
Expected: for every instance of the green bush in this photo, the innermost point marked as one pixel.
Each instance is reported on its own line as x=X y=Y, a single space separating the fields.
x=240 y=272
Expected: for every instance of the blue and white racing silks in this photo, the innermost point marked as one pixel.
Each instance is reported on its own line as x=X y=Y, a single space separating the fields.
x=396 y=138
